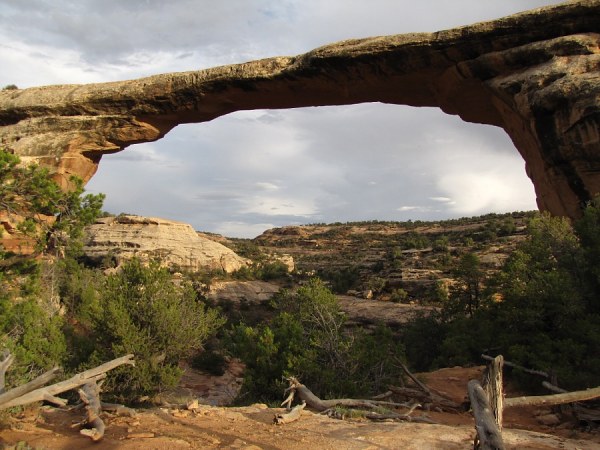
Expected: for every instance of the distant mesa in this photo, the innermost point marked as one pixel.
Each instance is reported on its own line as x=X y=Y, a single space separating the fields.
x=534 y=74
x=175 y=244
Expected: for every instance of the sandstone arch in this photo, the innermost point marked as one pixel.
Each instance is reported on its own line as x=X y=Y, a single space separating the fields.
x=535 y=74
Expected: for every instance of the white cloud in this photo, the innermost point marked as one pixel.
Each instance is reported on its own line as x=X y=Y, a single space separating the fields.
x=442 y=199
x=266 y=186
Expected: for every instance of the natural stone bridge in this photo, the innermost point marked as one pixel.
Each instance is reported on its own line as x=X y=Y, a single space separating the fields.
x=535 y=74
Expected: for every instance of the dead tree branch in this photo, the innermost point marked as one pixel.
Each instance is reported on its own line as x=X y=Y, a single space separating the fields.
x=312 y=401
x=433 y=399
x=49 y=392
x=488 y=433
x=90 y=396
x=40 y=381
x=556 y=399
x=415 y=379
x=518 y=367
x=291 y=415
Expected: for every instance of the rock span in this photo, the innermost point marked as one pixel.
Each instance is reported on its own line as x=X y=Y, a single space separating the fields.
x=535 y=74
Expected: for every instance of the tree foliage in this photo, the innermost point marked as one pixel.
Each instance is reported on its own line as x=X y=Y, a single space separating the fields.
x=541 y=311
x=142 y=311
x=42 y=210
x=50 y=218
x=308 y=339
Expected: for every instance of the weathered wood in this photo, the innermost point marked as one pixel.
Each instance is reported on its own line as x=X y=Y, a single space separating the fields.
x=415 y=379
x=290 y=416
x=581 y=412
x=436 y=400
x=7 y=360
x=324 y=406
x=90 y=396
x=518 y=367
x=40 y=381
x=488 y=434
x=556 y=399
x=80 y=379
x=492 y=384
x=553 y=388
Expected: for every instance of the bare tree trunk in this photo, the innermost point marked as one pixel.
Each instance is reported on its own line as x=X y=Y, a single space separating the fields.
x=488 y=434
x=492 y=384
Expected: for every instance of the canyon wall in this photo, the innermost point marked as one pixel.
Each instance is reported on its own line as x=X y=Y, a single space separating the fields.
x=535 y=74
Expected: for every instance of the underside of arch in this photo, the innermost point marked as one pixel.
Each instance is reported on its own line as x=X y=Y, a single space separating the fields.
x=535 y=74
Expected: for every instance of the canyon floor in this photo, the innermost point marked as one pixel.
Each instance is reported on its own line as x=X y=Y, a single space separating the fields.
x=252 y=427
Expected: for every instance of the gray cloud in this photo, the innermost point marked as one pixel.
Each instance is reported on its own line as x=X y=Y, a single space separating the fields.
x=249 y=171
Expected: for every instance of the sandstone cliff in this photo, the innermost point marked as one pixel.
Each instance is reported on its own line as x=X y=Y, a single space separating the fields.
x=535 y=74
x=175 y=243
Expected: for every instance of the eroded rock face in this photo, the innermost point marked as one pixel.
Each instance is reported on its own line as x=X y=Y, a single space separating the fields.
x=535 y=74
x=176 y=244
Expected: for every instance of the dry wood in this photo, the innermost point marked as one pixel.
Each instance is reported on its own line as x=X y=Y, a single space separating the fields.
x=433 y=399
x=492 y=384
x=554 y=388
x=90 y=396
x=7 y=360
x=415 y=379
x=290 y=416
x=40 y=381
x=581 y=412
x=556 y=399
x=323 y=406
x=518 y=367
x=488 y=434
x=49 y=392
x=316 y=403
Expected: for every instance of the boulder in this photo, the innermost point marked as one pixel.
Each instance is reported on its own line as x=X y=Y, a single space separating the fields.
x=176 y=244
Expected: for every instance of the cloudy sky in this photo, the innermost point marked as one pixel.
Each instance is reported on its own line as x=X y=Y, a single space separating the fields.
x=243 y=173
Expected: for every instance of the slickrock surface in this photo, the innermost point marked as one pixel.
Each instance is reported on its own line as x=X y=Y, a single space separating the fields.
x=535 y=74
x=175 y=243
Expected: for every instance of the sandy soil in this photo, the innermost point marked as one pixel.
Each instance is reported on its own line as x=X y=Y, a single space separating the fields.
x=210 y=427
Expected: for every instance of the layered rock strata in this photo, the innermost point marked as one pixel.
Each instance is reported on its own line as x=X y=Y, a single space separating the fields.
x=535 y=74
x=175 y=244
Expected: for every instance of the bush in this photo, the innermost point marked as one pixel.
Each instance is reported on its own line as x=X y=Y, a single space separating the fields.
x=307 y=339
x=143 y=312
x=545 y=312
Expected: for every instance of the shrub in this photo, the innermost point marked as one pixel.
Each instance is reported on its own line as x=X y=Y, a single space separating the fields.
x=307 y=339
x=143 y=312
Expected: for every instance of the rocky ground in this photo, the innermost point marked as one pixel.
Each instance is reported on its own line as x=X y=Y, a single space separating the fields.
x=213 y=427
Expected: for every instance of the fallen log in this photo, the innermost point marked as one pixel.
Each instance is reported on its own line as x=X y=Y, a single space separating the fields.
x=38 y=382
x=323 y=406
x=488 y=434
x=555 y=399
x=49 y=393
